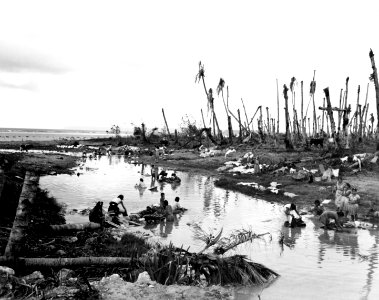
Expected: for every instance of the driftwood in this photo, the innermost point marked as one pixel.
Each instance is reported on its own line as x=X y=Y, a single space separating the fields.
x=75 y=226
x=21 y=221
x=64 y=261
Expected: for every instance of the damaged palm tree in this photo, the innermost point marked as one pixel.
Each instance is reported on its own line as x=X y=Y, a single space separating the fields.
x=210 y=100
x=287 y=139
x=374 y=77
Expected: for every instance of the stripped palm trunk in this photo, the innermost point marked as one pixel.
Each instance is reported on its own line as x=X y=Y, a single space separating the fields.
x=365 y=124
x=330 y=112
x=339 y=112
x=288 y=141
x=165 y=121
x=374 y=76
x=268 y=122
x=75 y=226
x=303 y=119
x=2 y=180
x=356 y=112
x=323 y=116
x=364 y=112
x=240 y=125
x=277 y=98
x=345 y=119
x=360 y=122
x=21 y=220
x=312 y=92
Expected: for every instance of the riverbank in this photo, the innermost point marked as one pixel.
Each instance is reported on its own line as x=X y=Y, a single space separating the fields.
x=301 y=192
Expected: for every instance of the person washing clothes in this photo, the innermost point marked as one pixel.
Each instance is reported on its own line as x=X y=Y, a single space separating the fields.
x=293 y=216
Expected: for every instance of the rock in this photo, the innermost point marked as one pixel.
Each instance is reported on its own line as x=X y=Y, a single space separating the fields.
x=61 y=253
x=70 y=240
x=6 y=270
x=33 y=278
x=144 y=278
x=65 y=275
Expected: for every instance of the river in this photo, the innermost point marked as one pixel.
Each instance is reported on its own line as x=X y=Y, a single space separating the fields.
x=320 y=264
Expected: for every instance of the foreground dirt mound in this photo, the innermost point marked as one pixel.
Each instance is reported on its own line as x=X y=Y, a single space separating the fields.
x=113 y=287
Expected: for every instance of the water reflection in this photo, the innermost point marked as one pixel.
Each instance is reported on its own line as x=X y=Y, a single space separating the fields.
x=317 y=257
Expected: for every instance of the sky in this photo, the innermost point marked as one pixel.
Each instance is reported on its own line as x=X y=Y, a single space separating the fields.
x=92 y=64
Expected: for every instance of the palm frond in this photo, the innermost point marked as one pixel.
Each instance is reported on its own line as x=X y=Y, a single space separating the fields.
x=200 y=74
x=220 y=86
x=236 y=238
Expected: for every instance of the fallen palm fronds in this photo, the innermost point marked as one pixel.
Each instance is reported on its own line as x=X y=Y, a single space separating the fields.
x=236 y=238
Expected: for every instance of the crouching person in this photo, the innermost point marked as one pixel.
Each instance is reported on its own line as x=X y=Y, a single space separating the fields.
x=96 y=214
x=328 y=216
x=116 y=209
x=293 y=216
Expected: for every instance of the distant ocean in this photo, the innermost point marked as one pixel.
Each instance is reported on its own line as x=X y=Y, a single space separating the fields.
x=34 y=134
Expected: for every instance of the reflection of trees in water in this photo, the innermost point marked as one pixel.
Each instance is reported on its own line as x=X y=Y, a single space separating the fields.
x=208 y=193
x=372 y=264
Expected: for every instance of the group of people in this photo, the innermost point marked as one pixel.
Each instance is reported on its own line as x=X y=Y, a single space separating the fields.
x=347 y=199
x=117 y=210
x=347 y=203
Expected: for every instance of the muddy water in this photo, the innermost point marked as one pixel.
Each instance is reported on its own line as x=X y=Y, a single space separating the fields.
x=321 y=264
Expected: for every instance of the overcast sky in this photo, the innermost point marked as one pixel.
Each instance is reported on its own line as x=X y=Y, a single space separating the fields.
x=97 y=63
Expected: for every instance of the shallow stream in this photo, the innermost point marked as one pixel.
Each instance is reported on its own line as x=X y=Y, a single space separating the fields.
x=321 y=264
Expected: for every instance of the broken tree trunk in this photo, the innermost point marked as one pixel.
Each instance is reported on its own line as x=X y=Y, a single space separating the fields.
x=21 y=220
x=143 y=132
x=356 y=111
x=366 y=121
x=268 y=122
x=364 y=111
x=247 y=120
x=75 y=226
x=303 y=120
x=277 y=98
x=2 y=180
x=374 y=76
x=165 y=121
x=65 y=262
x=339 y=113
x=323 y=116
x=314 y=106
x=360 y=122
x=230 y=130
x=240 y=125
x=288 y=141
x=330 y=112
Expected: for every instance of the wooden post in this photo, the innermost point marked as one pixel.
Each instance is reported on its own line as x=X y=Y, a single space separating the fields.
x=288 y=141
x=309 y=127
x=268 y=122
x=240 y=125
x=314 y=105
x=364 y=111
x=366 y=120
x=176 y=136
x=230 y=130
x=330 y=112
x=360 y=122
x=164 y=117
x=356 y=112
x=21 y=220
x=323 y=115
x=277 y=98
x=303 y=120
x=340 y=112
x=374 y=76
x=143 y=132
